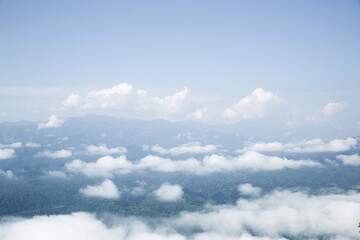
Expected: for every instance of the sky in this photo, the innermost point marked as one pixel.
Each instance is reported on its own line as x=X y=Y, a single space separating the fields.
x=289 y=59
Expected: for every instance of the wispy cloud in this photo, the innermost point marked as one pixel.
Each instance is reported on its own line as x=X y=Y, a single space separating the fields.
x=56 y=154
x=11 y=145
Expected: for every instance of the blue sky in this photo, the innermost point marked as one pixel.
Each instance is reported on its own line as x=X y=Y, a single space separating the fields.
x=306 y=52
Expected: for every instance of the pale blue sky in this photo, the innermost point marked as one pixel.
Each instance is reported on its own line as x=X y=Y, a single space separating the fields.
x=307 y=52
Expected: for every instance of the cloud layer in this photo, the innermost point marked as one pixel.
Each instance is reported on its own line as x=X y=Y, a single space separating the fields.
x=250 y=161
x=278 y=215
x=313 y=145
x=192 y=147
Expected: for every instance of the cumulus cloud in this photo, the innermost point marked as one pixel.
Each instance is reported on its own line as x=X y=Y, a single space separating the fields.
x=313 y=145
x=169 y=193
x=350 y=159
x=104 y=150
x=135 y=102
x=32 y=145
x=333 y=108
x=251 y=161
x=103 y=167
x=192 y=147
x=7 y=174
x=106 y=189
x=56 y=154
x=279 y=215
x=53 y=122
x=256 y=105
x=248 y=189
x=6 y=153
x=73 y=100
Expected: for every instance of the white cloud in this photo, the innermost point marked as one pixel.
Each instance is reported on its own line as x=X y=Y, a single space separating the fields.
x=333 y=108
x=256 y=105
x=192 y=147
x=110 y=97
x=248 y=189
x=80 y=226
x=249 y=161
x=57 y=154
x=199 y=114
x=73 y=100
x=11 y=145
x=55 y=174
x=106 y=189
x=104 y=150
x=7 y=174
x=6 y=153
x=103 y=167
x=350 y=159
x=279 y=215
x=53 y=122
x=169 y=193
x=135 y=102
x=312 y=145
x=32 y=145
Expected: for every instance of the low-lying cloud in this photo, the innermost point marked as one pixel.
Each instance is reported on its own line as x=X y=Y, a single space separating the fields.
x=6 y=153
x=313 y=145
x=104 y=150
x=7 y=174
x=278 y=215
x=192 y=147
x=350 y=159
x=11 y=145
x=106 y=189
x=248 y=189
x=249 y=161
x=56 y=154
x=53 y=122
x=169 y=193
